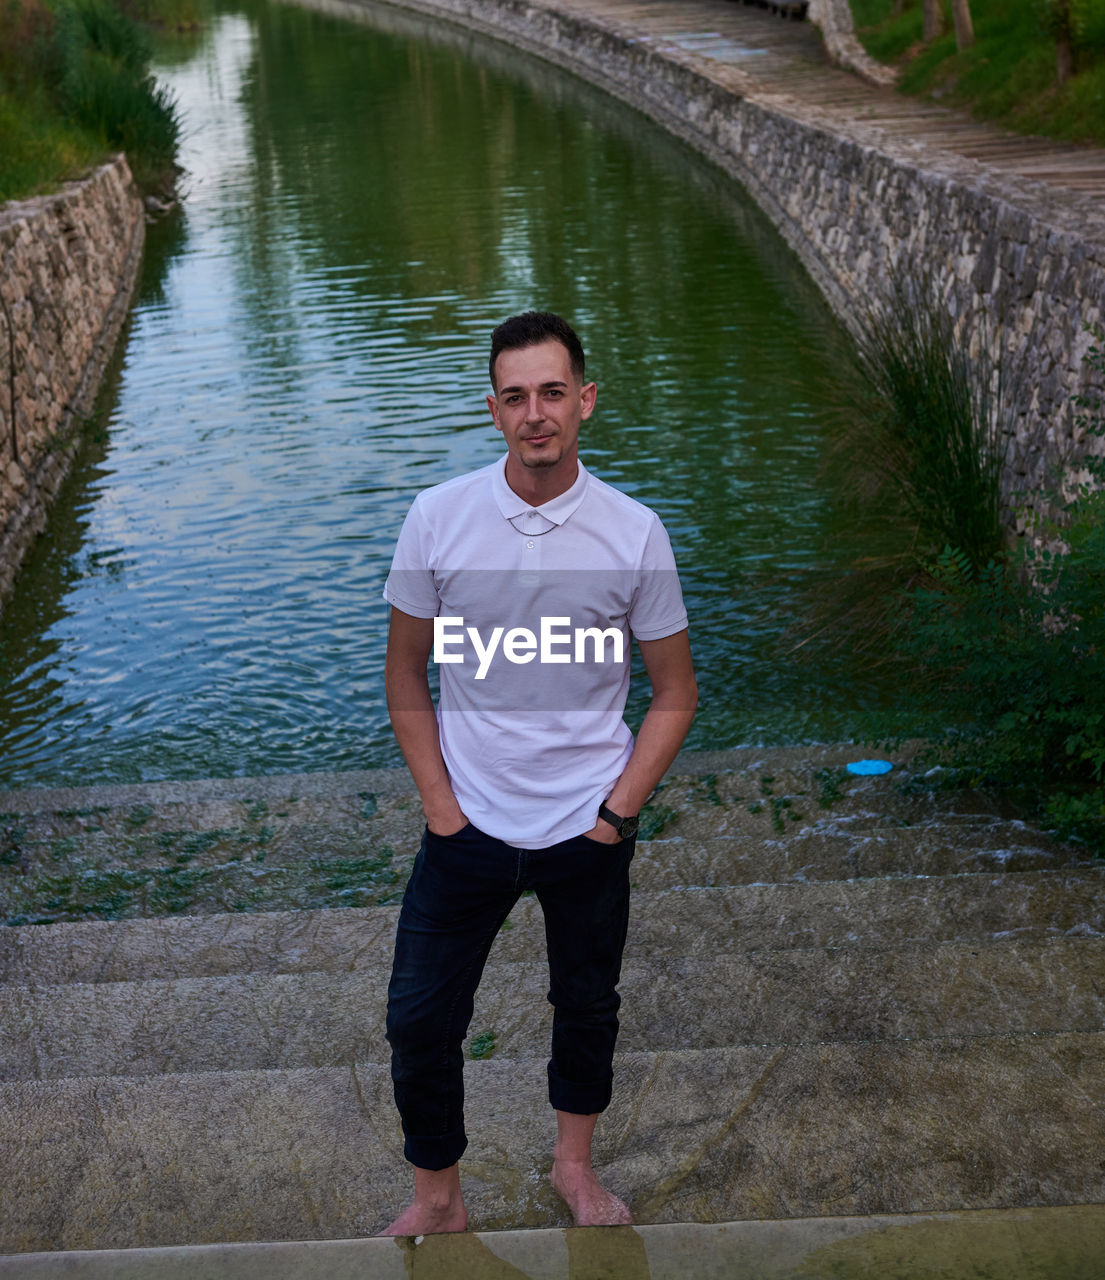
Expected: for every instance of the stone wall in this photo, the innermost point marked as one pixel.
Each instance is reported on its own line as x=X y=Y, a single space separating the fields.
x=68 y=263
x=1023 y=265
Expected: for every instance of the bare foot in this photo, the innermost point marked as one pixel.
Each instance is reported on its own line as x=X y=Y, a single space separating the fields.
x=438 y=1205
x=428 y=1220
x=591 y=1204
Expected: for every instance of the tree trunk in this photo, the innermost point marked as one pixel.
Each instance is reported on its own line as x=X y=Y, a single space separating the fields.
x=1064 y=46
x=933 y=21
x=964 y=28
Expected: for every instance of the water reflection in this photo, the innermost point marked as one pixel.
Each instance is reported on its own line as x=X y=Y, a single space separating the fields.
x=308 y=349
x=592 y=1254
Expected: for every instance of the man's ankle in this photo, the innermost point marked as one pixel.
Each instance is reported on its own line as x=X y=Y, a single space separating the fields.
x=570 y=1161
x=437 y=1188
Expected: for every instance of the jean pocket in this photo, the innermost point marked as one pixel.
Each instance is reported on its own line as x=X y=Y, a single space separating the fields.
x=602 y=844
x=467 y=829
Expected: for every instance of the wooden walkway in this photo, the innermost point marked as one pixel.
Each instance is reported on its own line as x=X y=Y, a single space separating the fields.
x=751 y=51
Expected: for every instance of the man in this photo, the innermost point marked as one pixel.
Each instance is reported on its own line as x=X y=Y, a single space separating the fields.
x=527 y=773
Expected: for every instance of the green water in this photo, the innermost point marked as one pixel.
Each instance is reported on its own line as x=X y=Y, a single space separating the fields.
x=308 y=349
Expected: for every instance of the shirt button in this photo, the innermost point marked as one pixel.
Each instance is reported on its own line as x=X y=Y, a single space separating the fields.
x=530 y=545
x=533 y=515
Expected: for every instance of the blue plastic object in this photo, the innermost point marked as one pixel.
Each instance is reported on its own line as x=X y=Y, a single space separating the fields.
x=866 y=768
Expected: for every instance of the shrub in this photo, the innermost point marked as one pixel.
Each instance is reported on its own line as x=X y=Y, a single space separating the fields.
x=930 y=422
x=74 y=73
x=1011 y=656
x=104 y=84
x=917 y=450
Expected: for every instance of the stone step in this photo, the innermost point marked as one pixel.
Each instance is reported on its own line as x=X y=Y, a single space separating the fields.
x=828 y=855
x=1065 y=1241
x=75 y=883
x=336 y=840
x=711 y=1135
x=160 y=822
x=981 y=907
x=378 y=806
x=269 y=1021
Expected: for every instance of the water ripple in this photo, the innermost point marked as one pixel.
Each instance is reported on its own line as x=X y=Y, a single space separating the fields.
x=308 y=350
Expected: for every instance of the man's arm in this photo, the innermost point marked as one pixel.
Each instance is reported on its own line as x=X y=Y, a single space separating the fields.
x=414 y=721
x=669 y=716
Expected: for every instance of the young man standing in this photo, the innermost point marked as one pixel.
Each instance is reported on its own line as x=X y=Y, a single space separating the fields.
x=525 y=581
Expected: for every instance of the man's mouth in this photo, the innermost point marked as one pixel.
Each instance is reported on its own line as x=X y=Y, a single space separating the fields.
x=538 y=439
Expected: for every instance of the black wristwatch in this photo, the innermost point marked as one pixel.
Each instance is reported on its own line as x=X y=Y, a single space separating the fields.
x=625 y=827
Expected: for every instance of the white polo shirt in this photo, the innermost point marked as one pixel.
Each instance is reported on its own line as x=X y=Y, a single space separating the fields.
x=537 y=607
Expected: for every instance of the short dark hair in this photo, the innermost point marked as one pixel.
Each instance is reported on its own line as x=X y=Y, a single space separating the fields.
x=532 y=328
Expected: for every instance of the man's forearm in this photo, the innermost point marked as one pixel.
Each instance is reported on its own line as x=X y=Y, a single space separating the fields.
x=663 y=730
x=414 y=723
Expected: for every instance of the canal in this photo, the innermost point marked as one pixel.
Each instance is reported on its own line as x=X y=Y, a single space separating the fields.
x=307 y=349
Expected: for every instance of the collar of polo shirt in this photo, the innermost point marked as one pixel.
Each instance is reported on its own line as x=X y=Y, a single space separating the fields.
x=549 y=514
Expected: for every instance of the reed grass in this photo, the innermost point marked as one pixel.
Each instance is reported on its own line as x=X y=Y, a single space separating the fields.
x=916 y=452
x=74 y=86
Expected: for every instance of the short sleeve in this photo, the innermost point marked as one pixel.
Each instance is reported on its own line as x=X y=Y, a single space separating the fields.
x=410 y=583
x=657 y=609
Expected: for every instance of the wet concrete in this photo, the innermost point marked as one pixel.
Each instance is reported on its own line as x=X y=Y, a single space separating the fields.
x=1064 y=1243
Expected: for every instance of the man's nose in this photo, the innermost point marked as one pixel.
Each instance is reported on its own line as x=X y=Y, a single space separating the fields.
x=534 y=411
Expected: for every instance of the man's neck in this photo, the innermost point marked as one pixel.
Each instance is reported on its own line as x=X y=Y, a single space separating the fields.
x=537 y=485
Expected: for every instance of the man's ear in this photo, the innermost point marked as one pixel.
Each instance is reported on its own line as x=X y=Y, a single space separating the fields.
x=587 y=396
x=493 y=405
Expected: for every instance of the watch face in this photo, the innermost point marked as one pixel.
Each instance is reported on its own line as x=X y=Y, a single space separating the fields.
x=628 y=827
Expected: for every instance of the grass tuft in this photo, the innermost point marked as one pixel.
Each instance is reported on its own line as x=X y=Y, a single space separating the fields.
x=933 y=429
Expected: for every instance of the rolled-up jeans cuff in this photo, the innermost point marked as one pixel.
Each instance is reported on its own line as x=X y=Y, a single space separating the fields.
x=439 y=1152
x=579 y=1099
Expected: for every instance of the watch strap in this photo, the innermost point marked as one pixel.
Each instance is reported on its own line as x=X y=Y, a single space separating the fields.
x=625 y=827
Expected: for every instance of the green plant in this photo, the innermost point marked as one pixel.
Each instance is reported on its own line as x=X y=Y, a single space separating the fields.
x=653 y=819
x=831 y=783
x=483 y=1045
x=74 y=82
x=138 y=816
x=931 y=416
x=921 y=428
x=105 y=85
x=1012 y=654
x=1011 y=73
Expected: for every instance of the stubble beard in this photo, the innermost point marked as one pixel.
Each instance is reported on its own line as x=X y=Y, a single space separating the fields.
x=538 y=461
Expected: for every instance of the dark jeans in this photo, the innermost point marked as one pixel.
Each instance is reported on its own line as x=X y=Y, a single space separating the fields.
x=460 y=891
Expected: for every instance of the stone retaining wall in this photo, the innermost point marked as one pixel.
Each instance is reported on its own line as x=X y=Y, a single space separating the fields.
x=68 y=263
x=1022 y=262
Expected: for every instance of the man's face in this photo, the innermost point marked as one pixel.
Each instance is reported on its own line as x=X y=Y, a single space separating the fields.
x=539 y=406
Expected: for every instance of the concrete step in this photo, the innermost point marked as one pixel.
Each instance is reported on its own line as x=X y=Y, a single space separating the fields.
x=712 y=1135
x=1066 y=1241
x=686 y=921
x=326 y=812
x=269 y=1021
x=827 y=855
x=336 y=840
x=103 y=881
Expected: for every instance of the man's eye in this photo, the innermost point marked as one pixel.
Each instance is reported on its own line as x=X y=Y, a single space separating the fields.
x=554 y=395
